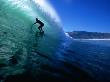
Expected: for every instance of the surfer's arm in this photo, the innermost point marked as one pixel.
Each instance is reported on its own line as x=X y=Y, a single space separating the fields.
x=35 y=22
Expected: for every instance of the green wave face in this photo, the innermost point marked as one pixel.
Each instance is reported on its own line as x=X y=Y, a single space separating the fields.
x=19 y=37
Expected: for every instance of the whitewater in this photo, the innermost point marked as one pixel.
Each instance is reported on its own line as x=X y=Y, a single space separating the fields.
x=27 y=56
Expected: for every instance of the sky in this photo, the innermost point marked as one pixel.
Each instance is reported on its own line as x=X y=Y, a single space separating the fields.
x=83 y=15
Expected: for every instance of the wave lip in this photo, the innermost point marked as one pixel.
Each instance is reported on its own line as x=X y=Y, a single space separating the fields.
x=48 y=8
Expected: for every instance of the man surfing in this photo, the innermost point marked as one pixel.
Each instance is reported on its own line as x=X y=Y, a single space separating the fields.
x=41 y=25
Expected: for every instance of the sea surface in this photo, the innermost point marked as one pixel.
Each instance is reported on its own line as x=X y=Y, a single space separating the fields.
x=93 y=57
x=27 y=57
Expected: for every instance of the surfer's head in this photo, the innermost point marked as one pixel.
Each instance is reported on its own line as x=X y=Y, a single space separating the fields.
x=36 y=19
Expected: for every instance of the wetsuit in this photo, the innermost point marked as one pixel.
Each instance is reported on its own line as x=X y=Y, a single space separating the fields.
x=41 y=25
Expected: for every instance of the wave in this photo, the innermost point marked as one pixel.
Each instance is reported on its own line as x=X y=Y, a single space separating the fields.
x=19 y=43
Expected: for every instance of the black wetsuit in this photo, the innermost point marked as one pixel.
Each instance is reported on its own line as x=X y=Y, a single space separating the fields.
x=41 y=25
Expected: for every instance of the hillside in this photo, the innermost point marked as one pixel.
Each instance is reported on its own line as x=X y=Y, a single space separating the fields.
x=89 y=35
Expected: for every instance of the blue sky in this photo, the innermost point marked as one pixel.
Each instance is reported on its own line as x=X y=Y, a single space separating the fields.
x=84 y=15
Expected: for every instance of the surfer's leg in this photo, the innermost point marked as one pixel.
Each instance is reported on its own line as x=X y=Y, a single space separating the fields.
x=39 y=28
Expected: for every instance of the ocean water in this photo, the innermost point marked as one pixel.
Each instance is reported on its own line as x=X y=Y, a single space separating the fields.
x=100 y=42
x=19 y=39
x=93 y=56
x=27 y=57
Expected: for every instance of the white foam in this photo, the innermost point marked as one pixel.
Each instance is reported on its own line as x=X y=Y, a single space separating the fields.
x=48 y=8
x=68 y=35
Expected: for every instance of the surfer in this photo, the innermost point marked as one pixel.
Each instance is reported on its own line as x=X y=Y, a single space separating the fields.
x=41 y=25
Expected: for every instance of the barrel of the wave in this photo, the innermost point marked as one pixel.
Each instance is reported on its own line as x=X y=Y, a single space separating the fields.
x=20 y=49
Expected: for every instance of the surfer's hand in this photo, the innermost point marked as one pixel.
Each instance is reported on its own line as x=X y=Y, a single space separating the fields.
x=35 y=23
